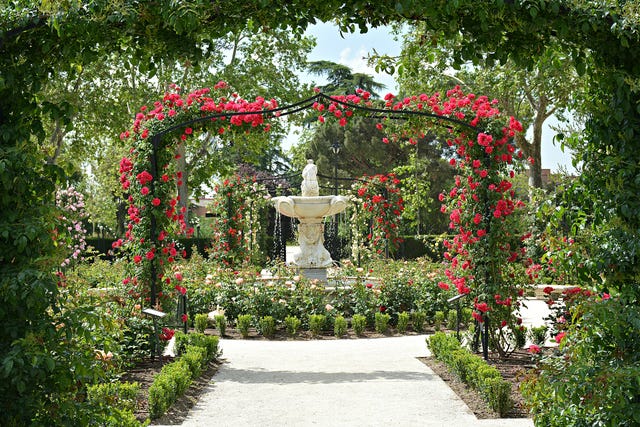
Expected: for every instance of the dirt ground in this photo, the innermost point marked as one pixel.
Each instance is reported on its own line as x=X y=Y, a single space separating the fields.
x=512 y=368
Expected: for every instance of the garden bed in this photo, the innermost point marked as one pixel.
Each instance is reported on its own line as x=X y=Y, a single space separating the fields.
x=512 y=368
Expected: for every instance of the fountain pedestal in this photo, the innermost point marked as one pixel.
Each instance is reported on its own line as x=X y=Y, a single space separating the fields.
x=310 y=209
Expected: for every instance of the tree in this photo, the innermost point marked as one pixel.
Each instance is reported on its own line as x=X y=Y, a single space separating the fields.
x=342 y=79
x=104 y=95
x=532 y=93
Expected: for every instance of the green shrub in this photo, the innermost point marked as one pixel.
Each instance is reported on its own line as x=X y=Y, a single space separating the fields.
x=438 y=320
x=339 y=326
x=243 y=323
x=397 y=295
x=196 y=358
x=221 y=323
x=452 y=320
x=381 y=322
x=359 y=323
x=116 y=395
x=538 y=334
x=201 y=322
x=464 y=364
x=497 y=393
x=172 y=381
x=267 y=326
x=403 y=322
x=442 y=345
x=520 y=336
x=316 y=323
x=592 y=379
x=466 y=316
x=208 y=342
x=472 y=370
x=417 y=319
x=292 y=324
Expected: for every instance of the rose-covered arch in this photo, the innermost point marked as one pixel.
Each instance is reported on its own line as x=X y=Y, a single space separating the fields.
x=479 y=205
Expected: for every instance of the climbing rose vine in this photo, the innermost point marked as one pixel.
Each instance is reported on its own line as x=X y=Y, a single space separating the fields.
x=71 y=231
x=482 y=204
x=235 y=234
x=150 y=186
x=482 y=208
x=377 y=215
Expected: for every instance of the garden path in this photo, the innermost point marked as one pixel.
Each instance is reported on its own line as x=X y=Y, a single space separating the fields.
x=358 y=382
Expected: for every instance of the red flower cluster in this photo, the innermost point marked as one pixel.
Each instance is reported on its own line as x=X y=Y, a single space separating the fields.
x=383 y=203
x=166 y=334
x=481 y=201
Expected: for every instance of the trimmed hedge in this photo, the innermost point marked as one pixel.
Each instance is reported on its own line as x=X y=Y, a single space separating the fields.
x=472 y=370
x=118 y=402
x=196 y=350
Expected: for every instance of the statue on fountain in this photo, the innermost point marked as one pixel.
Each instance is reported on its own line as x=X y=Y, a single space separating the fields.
x=309 y=185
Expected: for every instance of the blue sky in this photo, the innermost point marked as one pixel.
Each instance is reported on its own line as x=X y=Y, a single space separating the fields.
x=351 y=50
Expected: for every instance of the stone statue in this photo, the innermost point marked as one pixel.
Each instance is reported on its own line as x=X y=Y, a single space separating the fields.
x=309 y=185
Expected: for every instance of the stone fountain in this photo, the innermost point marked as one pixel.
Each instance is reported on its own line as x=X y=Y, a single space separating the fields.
x=310 y=209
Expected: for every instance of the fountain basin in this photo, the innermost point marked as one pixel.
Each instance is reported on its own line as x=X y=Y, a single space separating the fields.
x=310 y=209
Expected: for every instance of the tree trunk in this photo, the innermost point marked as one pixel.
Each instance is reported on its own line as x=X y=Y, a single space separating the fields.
x=535 y=152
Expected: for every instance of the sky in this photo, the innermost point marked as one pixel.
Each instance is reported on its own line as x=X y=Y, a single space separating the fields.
x=352 y=49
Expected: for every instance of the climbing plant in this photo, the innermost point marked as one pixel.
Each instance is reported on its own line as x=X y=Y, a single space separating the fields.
x=376 y=219
x=149 y=176
x=482 y=203
x=236 y=227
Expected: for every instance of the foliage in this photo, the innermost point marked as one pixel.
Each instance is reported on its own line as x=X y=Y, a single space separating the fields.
x=209 y=342
x=267 y=326
x=136 y=338
x=381 y=322
x=531 y=93
x=235 y=207
x=398 y=295
x=201 y=322
x=339 y=326
x=341 y=79
x=317 y=323
x=37 y=38
x=592 y=378
x=538 y=334
x=481 y=209
x=71 y=230
x=243 y=323
x=417 y=320
x=221 y=323
x=172 y=381
x=403 y=322
x=472 y=370
x=116 y=403
x=423 y=176
x=438 y=320
x=116 y=395
x=376 y=225
x=196 y=350
x=150 y=177
x=358 y=323
x=452 y=319
x=292 y=324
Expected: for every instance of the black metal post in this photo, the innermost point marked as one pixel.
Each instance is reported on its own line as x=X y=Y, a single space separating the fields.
x=458 y=311
x=335 y=148
x=485 y=338
x=155 y=141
